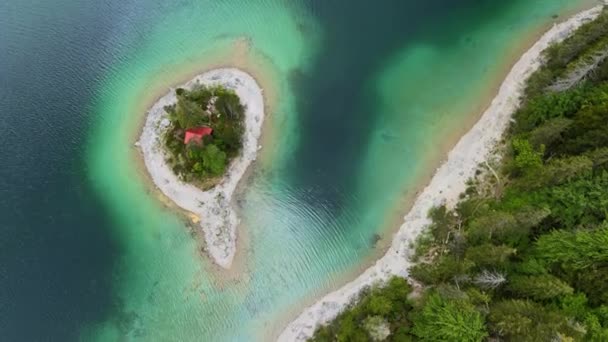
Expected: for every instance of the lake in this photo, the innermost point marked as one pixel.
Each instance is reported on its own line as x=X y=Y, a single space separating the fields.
x=364 y=100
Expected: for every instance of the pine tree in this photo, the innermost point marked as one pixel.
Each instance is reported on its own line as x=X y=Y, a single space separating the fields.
x=449 y=320
x=575 y=250
x=489 y=255
x=549 y=132
x=498 y=227
x=594 y=282
x=442 y=270
x=539 y=287
x=525 y=321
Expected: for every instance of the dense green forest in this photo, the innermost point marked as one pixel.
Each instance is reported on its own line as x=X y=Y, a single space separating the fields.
x=524 y=255
x=203 y=162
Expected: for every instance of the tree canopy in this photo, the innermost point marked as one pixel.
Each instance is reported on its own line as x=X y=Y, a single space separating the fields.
x=216 y=107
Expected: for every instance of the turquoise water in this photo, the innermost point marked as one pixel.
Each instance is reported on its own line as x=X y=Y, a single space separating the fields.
x=364 y=98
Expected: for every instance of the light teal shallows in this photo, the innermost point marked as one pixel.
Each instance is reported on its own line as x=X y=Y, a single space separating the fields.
x=422 y=90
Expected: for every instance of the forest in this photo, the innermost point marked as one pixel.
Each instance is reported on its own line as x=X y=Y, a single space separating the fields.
x=217 y=109
x=524 y=254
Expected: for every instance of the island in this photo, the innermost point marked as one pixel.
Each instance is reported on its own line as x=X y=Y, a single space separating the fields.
x=197 y=143
x=509 y=240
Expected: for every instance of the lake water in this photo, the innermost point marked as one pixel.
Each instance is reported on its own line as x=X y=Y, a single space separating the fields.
x=365 y=97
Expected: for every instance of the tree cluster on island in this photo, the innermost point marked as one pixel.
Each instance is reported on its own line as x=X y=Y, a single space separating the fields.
x=524 y=255
x=220 y=111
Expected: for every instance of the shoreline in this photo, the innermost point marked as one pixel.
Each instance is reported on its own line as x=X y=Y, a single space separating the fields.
x=448 y=181
x=213 y=209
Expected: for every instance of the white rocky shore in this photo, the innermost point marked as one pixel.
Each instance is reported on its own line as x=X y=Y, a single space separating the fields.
x=448 y=182
x=213 y=208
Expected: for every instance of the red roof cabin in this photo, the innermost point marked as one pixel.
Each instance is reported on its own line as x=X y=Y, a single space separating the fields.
x=197 y=134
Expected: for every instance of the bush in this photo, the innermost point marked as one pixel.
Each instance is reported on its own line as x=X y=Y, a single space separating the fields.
x=527 y=160
x=214 y=160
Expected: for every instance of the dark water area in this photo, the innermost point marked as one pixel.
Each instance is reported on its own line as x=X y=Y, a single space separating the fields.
x=58 y=253
x=336 y=102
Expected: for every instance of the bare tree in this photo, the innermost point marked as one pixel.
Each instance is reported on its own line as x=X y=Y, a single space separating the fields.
x=489 y=279
x=580 y=72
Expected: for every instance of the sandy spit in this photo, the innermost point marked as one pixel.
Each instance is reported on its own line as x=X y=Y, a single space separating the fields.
x=212 y=209
x=446 y=185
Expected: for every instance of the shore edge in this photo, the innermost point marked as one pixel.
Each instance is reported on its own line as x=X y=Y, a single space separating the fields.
x=448 y=182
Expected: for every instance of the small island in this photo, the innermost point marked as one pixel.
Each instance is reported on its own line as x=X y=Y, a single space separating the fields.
x=197 y=143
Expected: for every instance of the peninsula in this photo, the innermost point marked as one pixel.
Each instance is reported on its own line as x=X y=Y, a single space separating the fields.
x=468 y=296
x=197 y=143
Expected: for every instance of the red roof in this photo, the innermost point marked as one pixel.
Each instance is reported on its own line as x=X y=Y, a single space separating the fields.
x=196 y=134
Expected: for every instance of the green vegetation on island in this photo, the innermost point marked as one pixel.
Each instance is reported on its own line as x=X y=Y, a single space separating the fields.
x=524 y=255
x=205 y=134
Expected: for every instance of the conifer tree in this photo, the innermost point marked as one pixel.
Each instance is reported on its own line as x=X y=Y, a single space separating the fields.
x=539 y=287
x=449 y=320
x=575 y=250
x=525 y=321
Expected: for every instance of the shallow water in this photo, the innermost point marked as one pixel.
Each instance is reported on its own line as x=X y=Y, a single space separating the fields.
x=365 y=98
